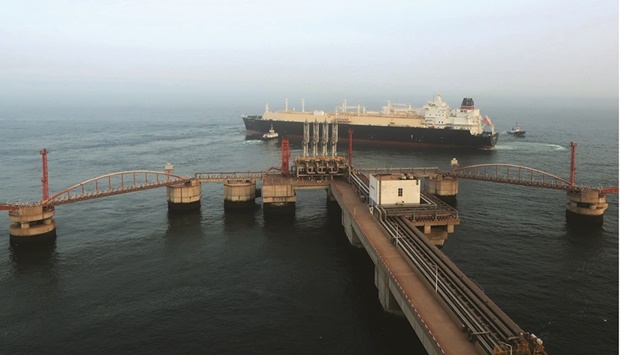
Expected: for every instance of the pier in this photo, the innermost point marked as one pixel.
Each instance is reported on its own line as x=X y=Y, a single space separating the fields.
x=399 y=216
x=449 y=313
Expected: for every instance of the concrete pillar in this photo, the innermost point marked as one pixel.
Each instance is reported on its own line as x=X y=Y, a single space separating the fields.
x=239 y=193
x=437 y=234
x=444 y=187
x=330 y=195
x=184 y=197
x=32 y=225
x=349 y=231
x=586 y=206
x=386 y=298
x=279 y=199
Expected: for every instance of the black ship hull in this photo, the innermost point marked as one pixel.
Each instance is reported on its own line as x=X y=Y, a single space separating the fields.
x=380 y=135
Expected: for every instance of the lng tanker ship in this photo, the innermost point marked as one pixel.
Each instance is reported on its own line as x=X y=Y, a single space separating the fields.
x=433 y=125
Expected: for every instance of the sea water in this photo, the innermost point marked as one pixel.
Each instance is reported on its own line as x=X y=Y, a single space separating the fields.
x=124 y=276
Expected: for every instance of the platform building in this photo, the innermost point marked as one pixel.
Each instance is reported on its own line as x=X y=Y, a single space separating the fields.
x=394 y=189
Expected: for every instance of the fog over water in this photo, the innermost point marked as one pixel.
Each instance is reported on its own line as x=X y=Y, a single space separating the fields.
x=232 y=52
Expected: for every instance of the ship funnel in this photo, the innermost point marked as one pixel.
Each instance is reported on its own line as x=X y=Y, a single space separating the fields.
x=467 y=104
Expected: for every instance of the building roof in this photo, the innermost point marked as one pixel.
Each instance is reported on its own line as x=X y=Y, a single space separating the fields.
x=393 y=177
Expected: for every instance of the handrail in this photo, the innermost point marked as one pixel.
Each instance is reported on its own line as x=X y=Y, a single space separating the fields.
x=170 y=179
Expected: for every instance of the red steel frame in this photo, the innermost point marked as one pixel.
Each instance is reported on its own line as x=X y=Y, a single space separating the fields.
x=286 y=154
x=44 y=181
x=573 y=147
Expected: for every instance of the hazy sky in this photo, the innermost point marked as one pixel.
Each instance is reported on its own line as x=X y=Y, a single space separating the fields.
x=158 y=51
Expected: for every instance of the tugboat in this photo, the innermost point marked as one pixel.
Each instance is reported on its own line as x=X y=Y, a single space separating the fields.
x=271 y=134
x=516 y=131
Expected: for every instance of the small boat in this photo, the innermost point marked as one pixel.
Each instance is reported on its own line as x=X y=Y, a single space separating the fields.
x=516 y=131
x=271 y=134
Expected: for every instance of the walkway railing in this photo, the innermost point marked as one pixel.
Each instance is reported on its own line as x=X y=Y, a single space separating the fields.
x=417 y=172
x=511 y=174
x=114 y=184
x=222 y=176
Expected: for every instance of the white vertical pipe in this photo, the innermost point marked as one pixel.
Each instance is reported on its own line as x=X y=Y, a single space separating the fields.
x=327 y=138
x=315 y=138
